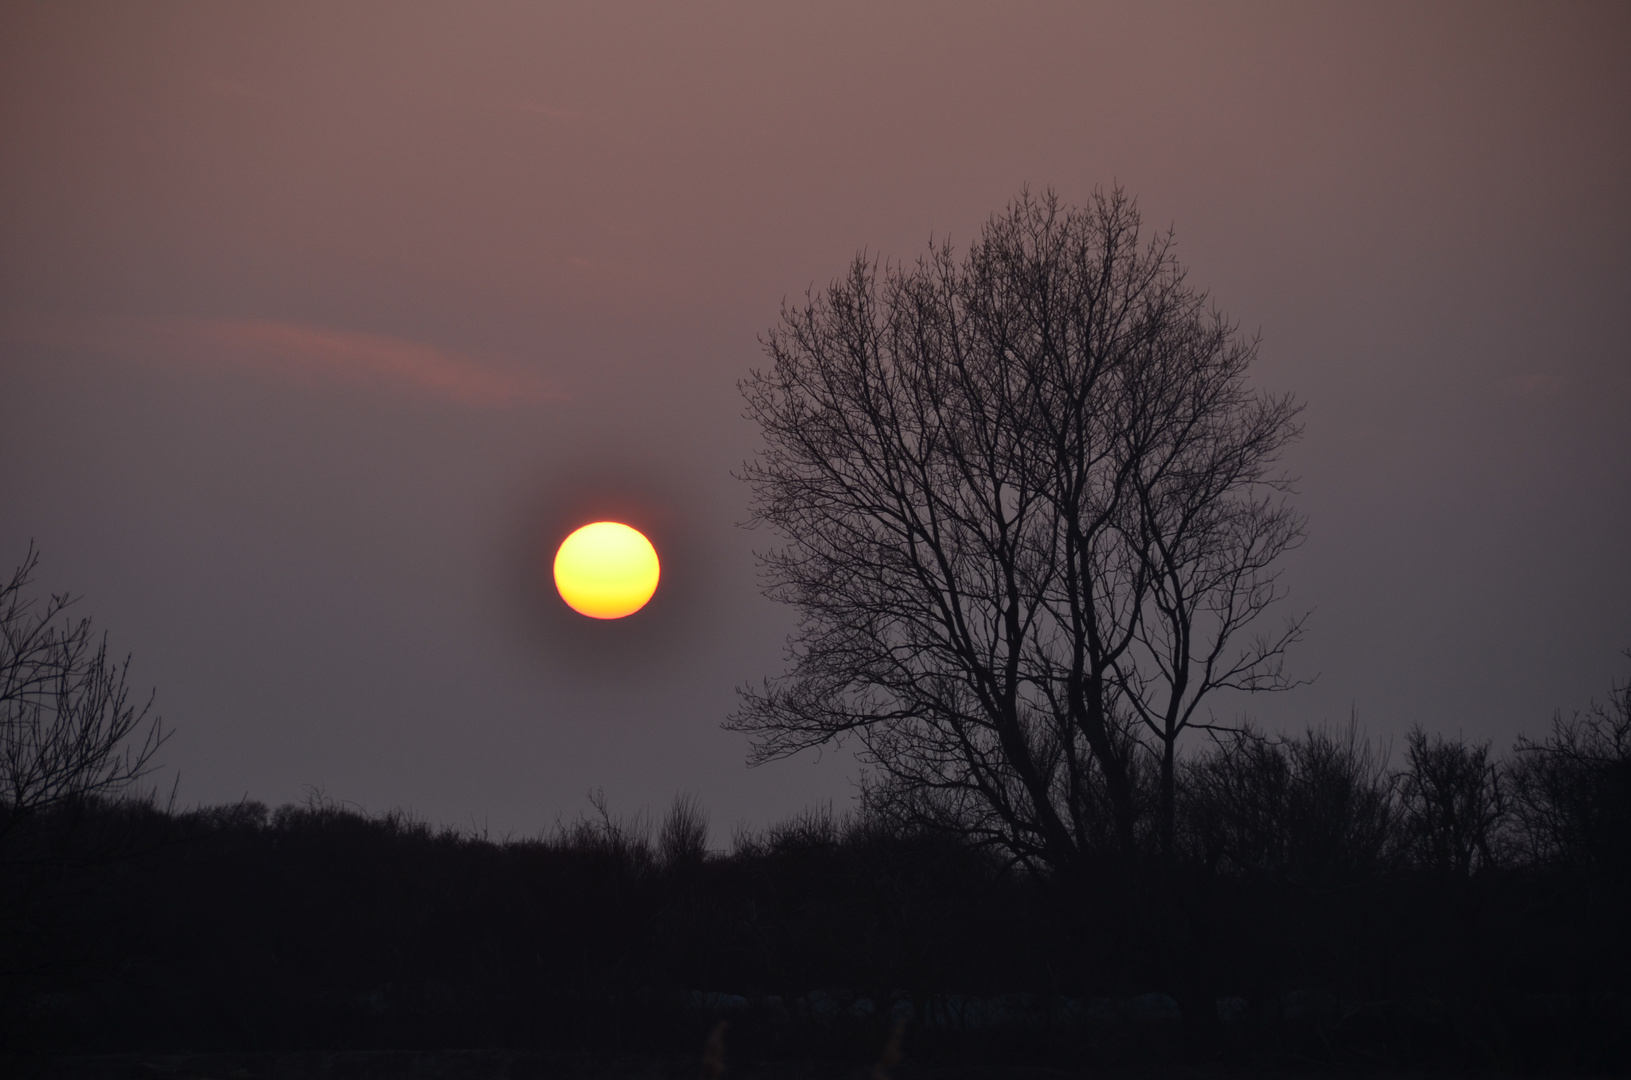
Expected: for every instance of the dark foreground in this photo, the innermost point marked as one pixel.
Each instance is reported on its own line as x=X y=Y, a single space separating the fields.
x=1320 y=912
x=522 y=1065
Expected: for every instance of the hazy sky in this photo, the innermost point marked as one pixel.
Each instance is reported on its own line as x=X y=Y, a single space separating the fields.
x=321 y=324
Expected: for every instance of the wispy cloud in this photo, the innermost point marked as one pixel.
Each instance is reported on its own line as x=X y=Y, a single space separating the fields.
x=535 y=109
x=1531 y=386
x=233 y=88
x=299 y=352
x=369 y=359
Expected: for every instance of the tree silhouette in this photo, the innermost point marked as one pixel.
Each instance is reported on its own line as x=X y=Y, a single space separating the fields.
x=71 y=742
x=68 y=728
x=1029 y=506
x=1454 y=804
x=1572 y=790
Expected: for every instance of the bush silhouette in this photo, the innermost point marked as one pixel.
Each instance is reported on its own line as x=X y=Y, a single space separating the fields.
x=1455 y=910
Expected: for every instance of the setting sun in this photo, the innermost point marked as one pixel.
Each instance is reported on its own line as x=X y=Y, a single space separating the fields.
x=606 y=570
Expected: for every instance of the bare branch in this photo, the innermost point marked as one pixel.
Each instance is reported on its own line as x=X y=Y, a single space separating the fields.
x=69 y=728
x=1027 y=503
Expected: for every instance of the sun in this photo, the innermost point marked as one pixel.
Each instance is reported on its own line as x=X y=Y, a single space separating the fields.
x=606 y=570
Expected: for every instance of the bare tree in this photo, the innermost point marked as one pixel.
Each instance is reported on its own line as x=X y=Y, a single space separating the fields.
x=683 y=838
x=1318 y=809
x=68 y=727
x=1571 y=792
x=1454 y=804
x=1029 y=505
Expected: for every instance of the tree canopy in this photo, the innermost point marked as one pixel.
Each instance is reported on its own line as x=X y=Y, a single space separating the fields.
x=1029 y=505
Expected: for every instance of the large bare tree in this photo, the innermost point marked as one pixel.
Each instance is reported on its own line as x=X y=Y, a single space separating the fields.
x=1029 y=506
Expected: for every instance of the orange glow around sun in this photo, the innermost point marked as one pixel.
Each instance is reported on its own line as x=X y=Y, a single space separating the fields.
x=606 y=570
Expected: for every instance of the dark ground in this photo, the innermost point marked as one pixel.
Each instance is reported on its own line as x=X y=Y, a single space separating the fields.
x=504 y=1065
x=1456 y=917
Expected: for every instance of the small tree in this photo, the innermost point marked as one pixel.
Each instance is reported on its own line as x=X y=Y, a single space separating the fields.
x=1029 y=505
x=1571 y=792
x=1454 y=804
x=1320 y=809
x=68 y=728
x=70 y=738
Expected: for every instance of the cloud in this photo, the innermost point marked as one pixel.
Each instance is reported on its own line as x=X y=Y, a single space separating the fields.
x=311 y=352
x=1531 y=386
x=300 y=352
x=535 y=109
x=232 y=88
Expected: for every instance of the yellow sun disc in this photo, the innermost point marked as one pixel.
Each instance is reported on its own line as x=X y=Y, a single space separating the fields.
x=606 y=570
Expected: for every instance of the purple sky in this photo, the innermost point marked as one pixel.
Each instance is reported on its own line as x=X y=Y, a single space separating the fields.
x=321 y=324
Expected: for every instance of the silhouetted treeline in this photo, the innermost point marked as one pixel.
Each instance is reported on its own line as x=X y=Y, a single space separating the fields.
x=1451 y=909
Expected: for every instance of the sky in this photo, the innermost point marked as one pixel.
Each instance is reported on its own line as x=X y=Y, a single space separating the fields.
x=322 y=324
